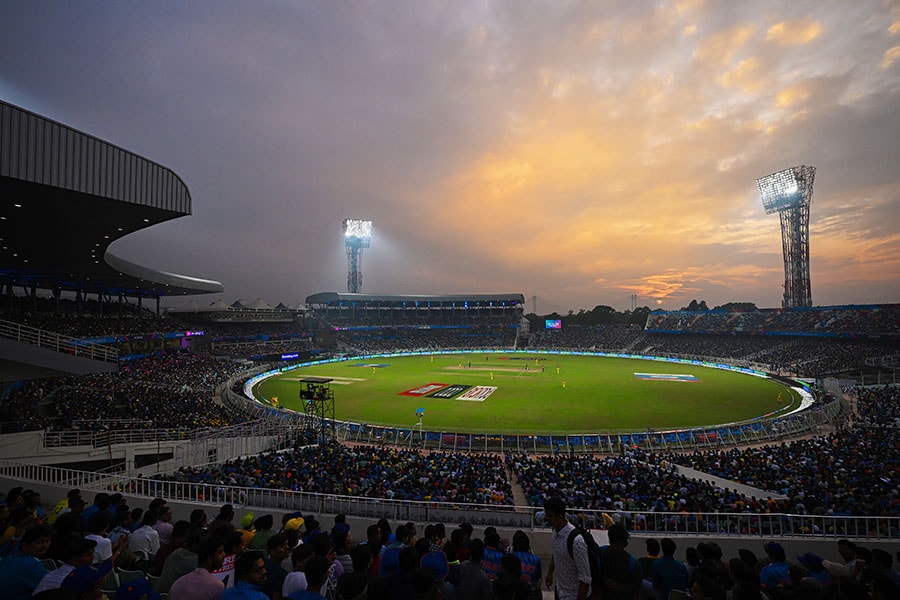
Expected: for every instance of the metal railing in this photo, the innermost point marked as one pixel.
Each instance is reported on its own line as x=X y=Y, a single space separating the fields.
x=721 y=524
x=101 y=438
x=57 y=342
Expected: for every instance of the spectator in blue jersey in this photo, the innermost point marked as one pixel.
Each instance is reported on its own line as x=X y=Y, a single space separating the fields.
x=668 y=573
x=531 y=563
x=491 y=560
x=22 y=571
x=777 y=572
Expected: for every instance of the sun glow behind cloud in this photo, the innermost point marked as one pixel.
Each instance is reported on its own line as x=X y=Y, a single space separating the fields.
x=578 y=151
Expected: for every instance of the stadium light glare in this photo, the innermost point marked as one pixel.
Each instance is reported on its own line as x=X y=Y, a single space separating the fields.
x=782 y=190
x=357 y=235
x=357 y=228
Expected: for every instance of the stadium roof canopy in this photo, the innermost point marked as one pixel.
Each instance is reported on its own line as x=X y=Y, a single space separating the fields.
x=342 y=299
x=65 y=196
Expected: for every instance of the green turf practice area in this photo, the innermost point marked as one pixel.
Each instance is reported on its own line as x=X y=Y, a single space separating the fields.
x=534 y=393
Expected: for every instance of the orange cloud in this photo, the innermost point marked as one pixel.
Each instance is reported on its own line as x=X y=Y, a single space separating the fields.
x=792 y=95
x=721 y=48
x=891 y=55
x=794 y=33
x=745 y=75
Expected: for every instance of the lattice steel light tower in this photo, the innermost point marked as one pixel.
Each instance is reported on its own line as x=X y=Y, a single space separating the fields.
x=357 y=235
x=789 y=193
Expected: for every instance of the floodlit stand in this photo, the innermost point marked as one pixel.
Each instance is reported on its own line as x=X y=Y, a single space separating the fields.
x=789 y=193
x=357 y=235
x=318 y=399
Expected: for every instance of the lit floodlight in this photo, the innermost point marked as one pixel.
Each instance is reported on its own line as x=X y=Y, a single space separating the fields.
x=781 y=190
x=357 y=235
x=358 y=231
x=789 y=193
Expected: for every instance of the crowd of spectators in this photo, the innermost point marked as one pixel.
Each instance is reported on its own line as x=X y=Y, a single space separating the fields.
x=881 y=319
x=254 y=349
x=366 y=471
x=600 y=339
x=75 y=550
x=425 y=340
x=173 y=390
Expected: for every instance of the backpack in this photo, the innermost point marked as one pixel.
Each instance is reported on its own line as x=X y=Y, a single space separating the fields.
x=595 y=558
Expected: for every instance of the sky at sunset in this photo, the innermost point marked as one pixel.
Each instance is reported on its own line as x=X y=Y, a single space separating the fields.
x=576 y=152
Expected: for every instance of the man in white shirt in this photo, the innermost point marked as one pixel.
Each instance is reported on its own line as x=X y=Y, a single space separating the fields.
x=571 y=573
x=145 y=539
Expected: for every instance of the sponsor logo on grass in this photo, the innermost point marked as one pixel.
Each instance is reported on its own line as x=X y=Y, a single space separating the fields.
x=479 y=393
x=423 y=390
x=449 y=391
x=665 y=377
x=370 y=365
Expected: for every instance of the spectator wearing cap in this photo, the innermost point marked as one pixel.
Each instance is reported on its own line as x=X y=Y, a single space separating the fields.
x=79 y=552
x=813 y=563
x=201 y=584
x=436 y=562
x=86 y=581
x=63 y=505
x=246 y=530
x=263 y=526
x=777 y=572
x=22 y=571
x=250 y=575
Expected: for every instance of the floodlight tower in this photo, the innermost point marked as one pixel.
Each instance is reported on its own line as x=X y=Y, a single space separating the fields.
x=789 y=193
x=357 y=235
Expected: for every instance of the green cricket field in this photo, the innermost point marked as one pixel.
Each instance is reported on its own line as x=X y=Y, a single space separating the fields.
x=533 y=393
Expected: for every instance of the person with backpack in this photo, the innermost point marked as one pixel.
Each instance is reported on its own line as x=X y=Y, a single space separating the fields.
x=570 y=571
x=622 y=575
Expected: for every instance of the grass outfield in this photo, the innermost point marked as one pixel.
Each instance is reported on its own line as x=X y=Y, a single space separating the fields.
x=555 y=394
